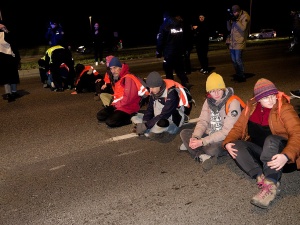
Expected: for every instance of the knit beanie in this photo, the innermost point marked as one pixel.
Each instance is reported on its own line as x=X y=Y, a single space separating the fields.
x=108 y=59
x=214 y=81
x=264 y=88
x=115 y=62
x=236 y=8
x=154 y=80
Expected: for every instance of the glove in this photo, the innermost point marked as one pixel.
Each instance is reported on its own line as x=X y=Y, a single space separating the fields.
x=233 y=19
x=140 y=128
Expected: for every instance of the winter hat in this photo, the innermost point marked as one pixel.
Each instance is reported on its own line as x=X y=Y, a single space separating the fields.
x=264 y=88
x=214 y=81
x=236 y=8
x=108 y=59
x=154 y=80
x=115 y=62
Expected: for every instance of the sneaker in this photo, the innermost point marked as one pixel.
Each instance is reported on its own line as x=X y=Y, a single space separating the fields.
x=203 y=157
x=205 y=72
x=96 y=63
x=182 y=147
x=208 y=162
x=102 y=63
x=201 y=70
x=295 y=94
x=266 y=195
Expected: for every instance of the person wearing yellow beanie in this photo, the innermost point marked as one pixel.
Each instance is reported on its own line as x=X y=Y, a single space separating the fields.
x=204 y=142
x=214 y=81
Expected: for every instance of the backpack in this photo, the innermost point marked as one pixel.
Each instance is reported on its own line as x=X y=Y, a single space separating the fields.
x=187 y=110
x=191 y=101
x=243 y=105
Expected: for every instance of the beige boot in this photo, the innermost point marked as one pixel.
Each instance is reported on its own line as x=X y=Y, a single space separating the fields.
x=266 y=195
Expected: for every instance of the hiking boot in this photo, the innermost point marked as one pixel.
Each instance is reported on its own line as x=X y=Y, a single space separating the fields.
x=182 y=147
x=208 y=162
x=260 y=180
x=266 y=195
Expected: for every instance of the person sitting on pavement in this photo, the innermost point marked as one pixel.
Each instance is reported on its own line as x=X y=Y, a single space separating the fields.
x=165 y=111
x=204 y=142
x=265 y=139
x=105 y=87
x=127 y=95
x=86 y=77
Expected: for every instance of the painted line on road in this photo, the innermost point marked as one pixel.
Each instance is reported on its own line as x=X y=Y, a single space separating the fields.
x=132 y=135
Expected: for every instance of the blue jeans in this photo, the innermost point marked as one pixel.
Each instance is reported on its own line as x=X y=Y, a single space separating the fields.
x=236 y=58
x=252 y=159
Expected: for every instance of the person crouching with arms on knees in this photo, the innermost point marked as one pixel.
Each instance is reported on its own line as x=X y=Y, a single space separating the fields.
x=165 y=111
x=204 y=142
x=264 y=139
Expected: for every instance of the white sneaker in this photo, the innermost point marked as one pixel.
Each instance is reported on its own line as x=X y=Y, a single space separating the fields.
x=102 y=63
x=182 y=147
x=204 y=157
x=96 y=63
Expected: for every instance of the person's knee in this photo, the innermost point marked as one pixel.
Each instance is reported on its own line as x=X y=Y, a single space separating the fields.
x=163 y=123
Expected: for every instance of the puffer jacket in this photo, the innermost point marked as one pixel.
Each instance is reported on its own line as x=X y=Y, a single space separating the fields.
x=283 y=121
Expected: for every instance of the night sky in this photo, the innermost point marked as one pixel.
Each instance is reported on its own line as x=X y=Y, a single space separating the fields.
x=137 y=24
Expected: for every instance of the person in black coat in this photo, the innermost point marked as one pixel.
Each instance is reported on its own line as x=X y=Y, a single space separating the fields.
x=10 y=63
x=201 y=39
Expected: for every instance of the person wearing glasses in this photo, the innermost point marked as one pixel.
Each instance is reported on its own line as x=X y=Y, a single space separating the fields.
x=204 y=142
x=265 y=140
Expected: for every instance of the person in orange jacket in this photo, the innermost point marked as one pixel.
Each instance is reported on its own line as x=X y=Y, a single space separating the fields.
x=105 y=87
x=265 y=140
x=85 y=78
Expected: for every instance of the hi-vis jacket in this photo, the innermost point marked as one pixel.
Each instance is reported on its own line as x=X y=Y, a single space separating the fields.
x=128 y=92
x=89 y=70
x=170 y=105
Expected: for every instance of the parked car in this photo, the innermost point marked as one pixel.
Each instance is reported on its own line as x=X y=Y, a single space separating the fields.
x=216 y=36
x=263 y=33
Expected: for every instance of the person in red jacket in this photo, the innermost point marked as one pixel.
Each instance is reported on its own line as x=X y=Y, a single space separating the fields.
x=86 y=77
x=265 y=139
x=128 y=92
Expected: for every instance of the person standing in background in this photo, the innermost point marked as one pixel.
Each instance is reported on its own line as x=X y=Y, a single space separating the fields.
x=10 y=63
x=201 y=39
x=98 y=39
x=238 y=26
x=170 y=45
x=55 y=34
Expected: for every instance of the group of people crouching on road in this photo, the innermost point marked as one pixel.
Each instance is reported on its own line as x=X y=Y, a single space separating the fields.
x=262 y=135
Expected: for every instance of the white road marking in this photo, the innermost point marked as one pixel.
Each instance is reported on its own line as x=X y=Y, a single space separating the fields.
x=132 y=135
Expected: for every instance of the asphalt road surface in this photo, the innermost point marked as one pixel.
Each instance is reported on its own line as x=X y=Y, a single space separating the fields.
x=59 y=166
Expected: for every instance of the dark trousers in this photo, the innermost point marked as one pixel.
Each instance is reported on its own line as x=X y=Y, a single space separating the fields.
x=252 y=159
x=113 y=117
x=175 y=63
x=202 y=52
x=213 y=149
